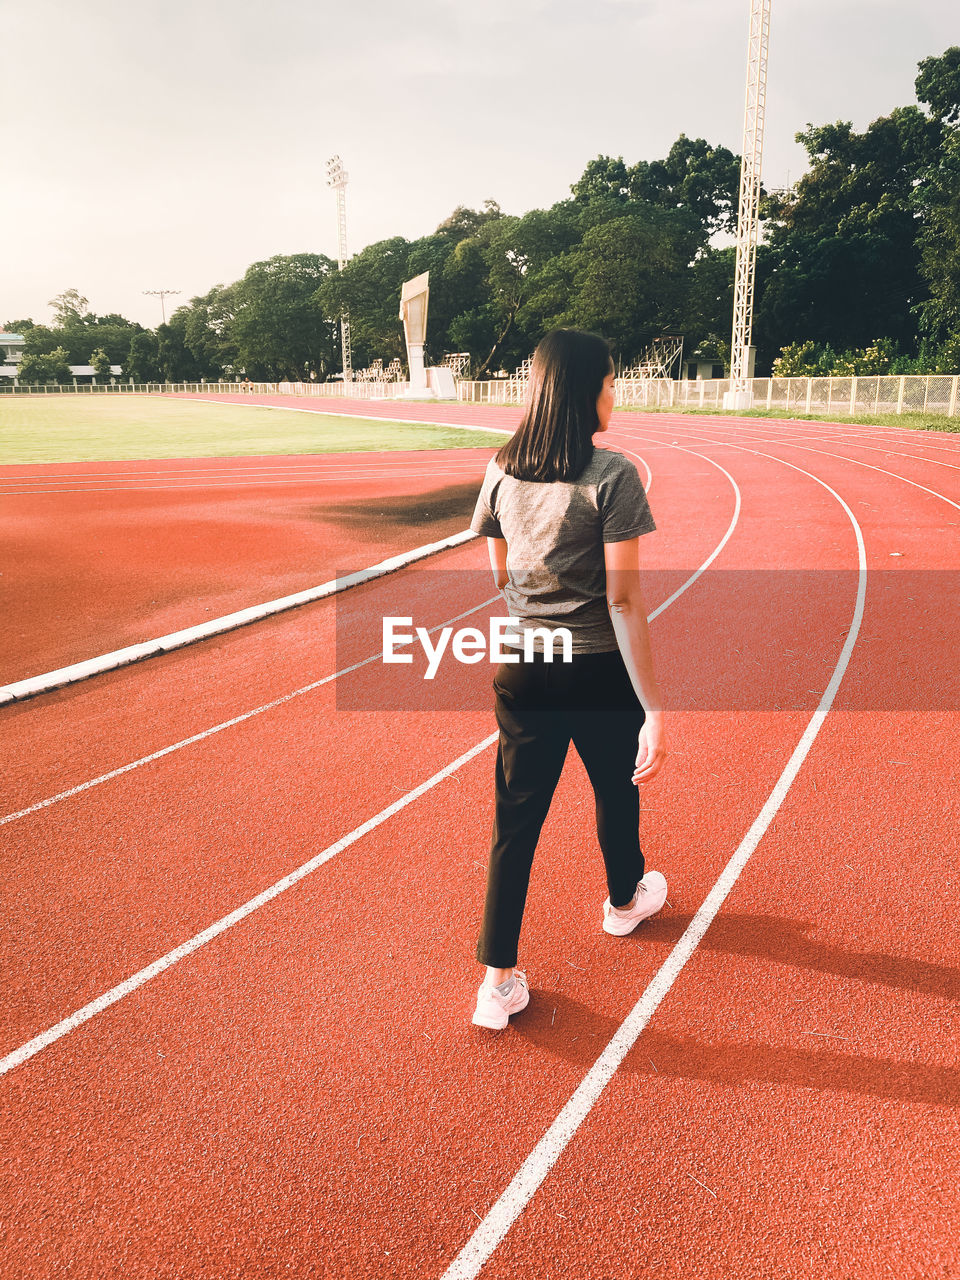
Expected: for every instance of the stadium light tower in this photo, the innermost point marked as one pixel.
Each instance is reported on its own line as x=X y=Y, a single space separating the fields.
x=161 y=294
x=337 y=178
x=740 y=395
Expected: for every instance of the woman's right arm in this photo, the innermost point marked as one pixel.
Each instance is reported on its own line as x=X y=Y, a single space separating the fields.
x=628 y=614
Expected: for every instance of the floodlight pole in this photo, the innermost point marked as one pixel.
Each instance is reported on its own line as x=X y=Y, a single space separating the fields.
x=161 y=294
x=740 y=395
x=337 y=178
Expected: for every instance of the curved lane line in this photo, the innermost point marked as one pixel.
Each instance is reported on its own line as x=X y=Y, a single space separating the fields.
x=34 y=1046
x=824 y=453
x=528 y=1179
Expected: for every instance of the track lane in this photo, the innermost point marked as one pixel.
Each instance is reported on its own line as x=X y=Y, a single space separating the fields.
x=86 y=573
x=370 y=1250
x=443 y=826
x=789 y=1100
x=151 y=837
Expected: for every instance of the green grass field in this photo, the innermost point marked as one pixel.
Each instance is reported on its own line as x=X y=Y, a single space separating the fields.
x=71 y=428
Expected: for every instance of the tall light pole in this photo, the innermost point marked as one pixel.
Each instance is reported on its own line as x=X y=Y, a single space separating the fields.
x=161 y=294
x=337 y=178
x=740 y=395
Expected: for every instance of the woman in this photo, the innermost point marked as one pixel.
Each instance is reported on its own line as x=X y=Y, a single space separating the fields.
x=562 y=521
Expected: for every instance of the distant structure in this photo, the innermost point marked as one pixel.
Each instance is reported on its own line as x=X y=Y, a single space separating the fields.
x=740 y=395
x=414 y=299
x=161 y=294
x=663 y=355
x=337 y=179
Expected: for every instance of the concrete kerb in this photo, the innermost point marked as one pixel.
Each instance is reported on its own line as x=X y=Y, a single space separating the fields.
x=23 y=689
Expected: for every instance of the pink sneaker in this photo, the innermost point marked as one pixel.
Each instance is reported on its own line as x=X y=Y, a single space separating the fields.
x=494 y=1010
x=651 y=895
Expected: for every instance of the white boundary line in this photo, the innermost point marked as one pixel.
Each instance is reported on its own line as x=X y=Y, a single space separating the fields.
x=531 y=1174
x=29 y=688
x=331 y=413
x=76 y=1019
x=34 y=1046
x=219 y=728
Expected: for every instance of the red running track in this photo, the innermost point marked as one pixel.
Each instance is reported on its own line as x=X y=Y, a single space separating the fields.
x=97 y=556
x=303 y=1095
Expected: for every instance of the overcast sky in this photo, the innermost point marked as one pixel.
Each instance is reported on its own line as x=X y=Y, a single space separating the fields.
x=170 y=144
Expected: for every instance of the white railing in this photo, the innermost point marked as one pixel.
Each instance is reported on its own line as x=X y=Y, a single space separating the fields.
x=932 y=393
x=348 y=390
x=841 y=397
x=351 y=390
x=143 y=388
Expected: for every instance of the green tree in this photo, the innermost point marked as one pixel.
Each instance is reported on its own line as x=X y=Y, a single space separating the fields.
x=101 y=363
x=69 y=307
x=141 y=363
x=206 y=323
x=938 y=200
x=702 y=179
x=630 y=276
x=938 y=84
x=40 y=340
x=369 y=289
x=279 y=327
x=45 y=367
x=843 y=242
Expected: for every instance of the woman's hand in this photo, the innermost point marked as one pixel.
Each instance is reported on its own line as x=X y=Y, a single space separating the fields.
x=651 y=750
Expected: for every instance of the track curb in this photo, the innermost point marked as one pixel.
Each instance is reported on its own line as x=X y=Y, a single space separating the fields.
x=20 y=690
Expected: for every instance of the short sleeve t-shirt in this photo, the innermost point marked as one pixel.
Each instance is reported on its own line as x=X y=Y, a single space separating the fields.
x=555 y=533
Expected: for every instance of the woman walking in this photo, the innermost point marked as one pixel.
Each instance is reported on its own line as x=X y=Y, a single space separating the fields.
x=562 y=521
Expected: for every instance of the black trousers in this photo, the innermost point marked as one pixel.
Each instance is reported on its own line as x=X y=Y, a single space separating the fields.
x=540 y=708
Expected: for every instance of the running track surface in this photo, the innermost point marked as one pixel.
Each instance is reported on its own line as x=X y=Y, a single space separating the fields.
x=303 y=1095
x=99 y=555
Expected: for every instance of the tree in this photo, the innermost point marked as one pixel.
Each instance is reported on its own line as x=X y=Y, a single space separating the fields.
x=206 y=324
x=68 y=307
x=695 y=176
x=844 y=240
x=279 y=328
x=630 y=276
x=141 y=364
x=368 y=287
x=938 y=84
x=18 y=326
x=101 y=363
x=45 y=367
x=938 y=200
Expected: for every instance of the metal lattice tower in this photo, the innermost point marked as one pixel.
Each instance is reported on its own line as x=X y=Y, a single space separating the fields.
x=337 y=178
x=756 y=98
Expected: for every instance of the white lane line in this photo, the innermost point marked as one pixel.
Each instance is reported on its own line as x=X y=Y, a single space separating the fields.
x=49 y=680
x=345 y=413
x=219 y=728
x=720 y=545
x=239 y=483
x=345 y=472
x=48 y=1037
x=806 y=448
x=54 y=1033
x=524 y=1185
x=316 y=684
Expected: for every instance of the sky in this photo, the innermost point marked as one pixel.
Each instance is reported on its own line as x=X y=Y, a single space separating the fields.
x=170 y=145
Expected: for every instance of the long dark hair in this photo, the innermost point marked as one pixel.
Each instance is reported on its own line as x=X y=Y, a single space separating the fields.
x=554 y=438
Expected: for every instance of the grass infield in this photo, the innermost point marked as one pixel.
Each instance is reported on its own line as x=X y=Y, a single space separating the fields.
x=74 y=428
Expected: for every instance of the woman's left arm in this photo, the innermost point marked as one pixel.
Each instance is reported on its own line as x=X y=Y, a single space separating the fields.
x=497 y=548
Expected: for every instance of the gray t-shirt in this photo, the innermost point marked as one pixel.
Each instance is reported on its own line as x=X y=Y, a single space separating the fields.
x=555 y=533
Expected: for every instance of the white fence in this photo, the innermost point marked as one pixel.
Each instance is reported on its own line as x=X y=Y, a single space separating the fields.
x=840 y=397
x=353 y=390
x=835 y=397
